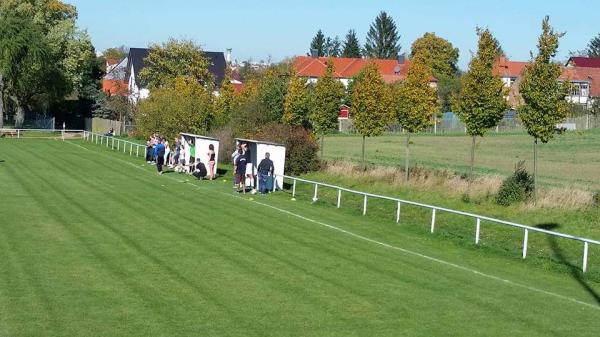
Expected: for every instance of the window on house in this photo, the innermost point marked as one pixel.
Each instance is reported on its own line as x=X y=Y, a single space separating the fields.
x=585 y=92
x=576 y=89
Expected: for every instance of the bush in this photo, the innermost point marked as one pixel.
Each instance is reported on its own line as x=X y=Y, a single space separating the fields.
x=301 y=146
x=516 y=188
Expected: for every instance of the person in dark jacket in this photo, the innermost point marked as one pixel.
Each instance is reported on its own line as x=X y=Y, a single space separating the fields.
x=159 y=154
x=200 y=171
x=266 y=170
x=240 y=170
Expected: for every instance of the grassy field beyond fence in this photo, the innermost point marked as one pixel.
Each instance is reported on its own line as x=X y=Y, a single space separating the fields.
x=571 y=159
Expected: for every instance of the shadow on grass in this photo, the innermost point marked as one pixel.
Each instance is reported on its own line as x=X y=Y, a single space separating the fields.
x=574 y=270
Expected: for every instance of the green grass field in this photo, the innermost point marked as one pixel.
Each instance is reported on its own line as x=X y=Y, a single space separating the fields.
x=93 y=243
x=569 y=159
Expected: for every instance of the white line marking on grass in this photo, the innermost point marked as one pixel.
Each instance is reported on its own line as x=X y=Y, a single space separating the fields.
x=383 y=244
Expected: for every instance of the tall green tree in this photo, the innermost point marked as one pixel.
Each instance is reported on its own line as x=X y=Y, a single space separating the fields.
x=272 y=87
x=439 y=54
x=482 y=101
x=26 y=65
x=318 y=44
x=179 y=104
x=297 y=102
x=176 y=58
x=544 y=103
x=71 y=67
x=326 y=99
x=382 y=38
x=416 y=103
x=351 y=46
x=593 y=48
x=371 y=104
x=332 y=47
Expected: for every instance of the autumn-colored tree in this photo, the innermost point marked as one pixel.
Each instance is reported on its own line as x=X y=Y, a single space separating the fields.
x=482 y=100
x=438 y=53
x=224 y=102
x=181 y=104
x=176 y=58
x=371 y=108
x=416 y=103
x=544 y=103
x=325 y=103
x=296 y=105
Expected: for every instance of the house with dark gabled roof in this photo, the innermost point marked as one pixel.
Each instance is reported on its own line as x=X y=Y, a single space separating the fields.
x=135 y=64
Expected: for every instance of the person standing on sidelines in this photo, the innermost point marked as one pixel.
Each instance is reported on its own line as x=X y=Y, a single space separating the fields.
x=266 y=170
x=159 y=154
x=234 y=157
x=211 y=161
x=240 y=171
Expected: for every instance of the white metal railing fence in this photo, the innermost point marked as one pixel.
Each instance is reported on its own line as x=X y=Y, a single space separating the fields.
x=436 y=209
x=117 y=144
x=22 y=133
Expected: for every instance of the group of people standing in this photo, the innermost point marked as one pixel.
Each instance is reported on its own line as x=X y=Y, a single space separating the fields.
x=159 y=152
x=243 y=170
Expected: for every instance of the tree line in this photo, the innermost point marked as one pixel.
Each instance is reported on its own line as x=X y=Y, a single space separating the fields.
x=45 y=59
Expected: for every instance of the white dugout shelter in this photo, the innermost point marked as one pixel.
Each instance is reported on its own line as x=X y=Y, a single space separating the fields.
x=258 y=149
x=194 y=149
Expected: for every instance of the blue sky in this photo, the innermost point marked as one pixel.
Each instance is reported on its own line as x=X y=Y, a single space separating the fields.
x=279 y=29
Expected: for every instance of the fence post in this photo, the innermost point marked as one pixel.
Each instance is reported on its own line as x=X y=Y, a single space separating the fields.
x=117 y=145
x=432 y=220
x=365 y=205
x=585 y=256
x=477 y=228
x=525 y=238
x=113 y=144
x=124 y=146
x=316 y=191
x=294 y=188
x=137 y=151
x=130 y=148
x=398 y=213
x=339 y=199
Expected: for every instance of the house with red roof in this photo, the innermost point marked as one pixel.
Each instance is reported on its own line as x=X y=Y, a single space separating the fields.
x=346 y=68
x=509 y=71
x=582 y=61
x=585 y=83
x=114 y=83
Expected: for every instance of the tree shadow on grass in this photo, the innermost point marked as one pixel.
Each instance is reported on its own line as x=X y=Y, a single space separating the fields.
x=574 y=270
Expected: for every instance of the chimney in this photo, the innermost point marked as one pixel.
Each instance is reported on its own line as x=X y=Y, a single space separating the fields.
x=401 y=58
x=228 y=56
x=314 y=53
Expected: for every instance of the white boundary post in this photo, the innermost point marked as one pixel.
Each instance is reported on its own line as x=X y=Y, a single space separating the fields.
x=137 y=151
x=365 y=205
x=107 y=142
x=525 y=239
x=398 y=213
x=585 y=256
x=316 y=191
x=477 y=229
x=339 y=198
x=124 y=146
x=18 y=133
x=113 y=144
x=130 y=148
x=117 y=145
x=294 y=188
x=433 y=220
